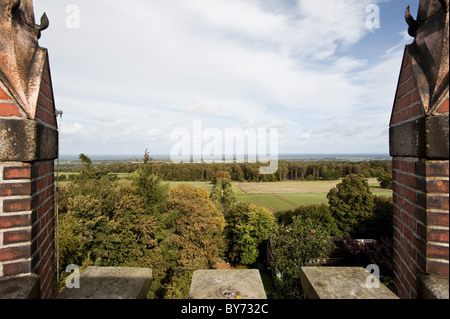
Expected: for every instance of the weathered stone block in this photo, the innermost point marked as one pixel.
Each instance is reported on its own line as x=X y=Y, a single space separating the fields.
x=27 y=141
x=342 y=283
x=227 y=284
x=20 y=287
x=111 y=283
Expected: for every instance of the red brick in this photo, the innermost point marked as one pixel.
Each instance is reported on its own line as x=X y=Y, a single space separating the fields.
x=434 y=251
x=437 y=169
x=40 y=113
x=421 y=230
x=46 y=77
x=404 y=102
x=437 y=268
x=410 y=195
x=46 y=168
x=14 y=269
x=405 y=73
x=15 y=221
x=7 y=110
x=438 y=219
x=11 y=189
x=439 y=235
x=13 y=253
x=404 y=166
x=415 y=97
x=3 y=95
x=16 y=236
x=396 y=117
x=10 y=173
x=415 y=110
x=401 y=90
x=410 y=84
x=406 y=60
x=434 y=186
x=46 y=90
x=444 y=107
x=16 y=205
x=437 y=202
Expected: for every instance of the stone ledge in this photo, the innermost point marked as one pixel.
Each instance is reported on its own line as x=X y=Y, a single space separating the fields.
x=27 y=141
x=426 y=137
x=111 y=283
x=433 y=287
x=227 y=284
x=340 y=283
x=20 y=287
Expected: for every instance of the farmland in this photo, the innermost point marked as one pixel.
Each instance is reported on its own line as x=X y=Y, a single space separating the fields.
x=275 y=196
x=278 y=196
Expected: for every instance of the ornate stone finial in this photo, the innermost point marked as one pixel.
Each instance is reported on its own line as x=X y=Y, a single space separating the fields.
x=21 y=58
x=430 y=50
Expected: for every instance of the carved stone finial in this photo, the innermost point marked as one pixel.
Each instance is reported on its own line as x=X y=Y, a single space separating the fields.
x=429 y=51
x=21 y=58
x=413 y=24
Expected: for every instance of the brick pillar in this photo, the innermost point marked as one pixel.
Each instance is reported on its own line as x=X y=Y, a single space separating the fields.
x=419 y=145
x=28 y=148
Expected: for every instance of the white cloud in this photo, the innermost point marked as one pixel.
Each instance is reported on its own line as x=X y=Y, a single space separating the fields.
x=136 y=70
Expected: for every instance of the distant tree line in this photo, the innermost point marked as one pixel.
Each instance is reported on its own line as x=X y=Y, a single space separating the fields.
x=249 y=172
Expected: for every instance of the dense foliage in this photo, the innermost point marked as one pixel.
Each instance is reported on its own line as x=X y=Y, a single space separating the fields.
x=320 y=214
x=141 y=222
x=295 y=245
x=248 y=226
x=351 y=203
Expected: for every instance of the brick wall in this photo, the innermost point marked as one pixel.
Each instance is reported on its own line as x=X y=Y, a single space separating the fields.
x=421 y=186
x=27 y=209
x=26 y=221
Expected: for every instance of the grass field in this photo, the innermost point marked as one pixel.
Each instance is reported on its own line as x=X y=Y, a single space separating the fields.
x=280 y=196
x=276 y=196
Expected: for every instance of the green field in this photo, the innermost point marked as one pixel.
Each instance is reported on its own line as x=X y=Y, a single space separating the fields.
x=275 y=196
x=277 y=202
x=278 y=196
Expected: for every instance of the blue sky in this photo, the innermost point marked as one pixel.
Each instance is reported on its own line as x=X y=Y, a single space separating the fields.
x=134 y=71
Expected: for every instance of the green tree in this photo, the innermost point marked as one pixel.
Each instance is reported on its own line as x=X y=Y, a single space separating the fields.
x=351 y=204
x=247 y=227
x=318 y=213
x=295 y=245
x=149 y=187
x=385 y=181
x=380 y=224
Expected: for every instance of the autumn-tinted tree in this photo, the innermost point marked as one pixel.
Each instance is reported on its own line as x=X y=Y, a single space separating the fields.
x=105 y=224
x=198 y=227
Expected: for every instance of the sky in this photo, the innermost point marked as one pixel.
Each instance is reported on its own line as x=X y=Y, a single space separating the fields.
x=128 y=74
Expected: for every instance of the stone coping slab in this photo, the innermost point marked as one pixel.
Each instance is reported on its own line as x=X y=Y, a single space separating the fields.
x=26 y=287
x=342 y=283
x=111 y=283
x=227 y=284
